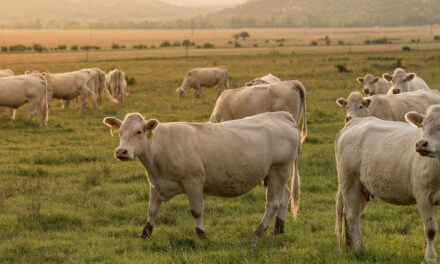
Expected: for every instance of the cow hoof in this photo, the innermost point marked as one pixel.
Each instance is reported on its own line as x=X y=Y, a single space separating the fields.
x=146 y=232
x=279 y=227
x=260 y=230
x=431 y=260
x=200 y=233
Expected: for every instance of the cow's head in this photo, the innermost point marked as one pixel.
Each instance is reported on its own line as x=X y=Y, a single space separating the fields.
x=134 y=132
x=355 y=104
x=180 y=92
x=429 y=143
x=370 y=84
x=399 y=81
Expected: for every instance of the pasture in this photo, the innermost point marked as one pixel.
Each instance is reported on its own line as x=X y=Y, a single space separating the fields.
x=65 y=198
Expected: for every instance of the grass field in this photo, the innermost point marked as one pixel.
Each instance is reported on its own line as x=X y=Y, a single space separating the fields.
x=64 y=198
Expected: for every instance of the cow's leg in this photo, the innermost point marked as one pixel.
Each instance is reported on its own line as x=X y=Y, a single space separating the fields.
x=220 y=89
x=83 y=101
x=153 y=209
x=198 y=91
x=424 y=205
x=66 y=104
x=1 y=110
x=94 y=103
x=77 y=103
x=44 y=113
x=282 y=211
x=194 y=192
x=276 y=181
x=12 y=113
x=354 y=202
x=32 y=109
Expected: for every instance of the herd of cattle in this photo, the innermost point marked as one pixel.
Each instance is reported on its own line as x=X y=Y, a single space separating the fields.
x=253 y=136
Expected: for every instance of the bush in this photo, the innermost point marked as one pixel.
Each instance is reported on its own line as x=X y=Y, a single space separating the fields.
x=198 y=47
x=165 y=44
x=208 y=45
x=4 y=49
x=90 y=47
x=281 y=44
x=62 y=47
x=341 y=42
x=115 y=46
x=140 y=46
x=313 y=43
x=406 y=48
x=255 y=45
x=237 y=45
x=341 y=68
x=436 y=37
x=176 y=44
x=153 y=47
x=397 y=64
x=38 y=48
x=18 y=47
x=74 y=47
x=280 y=40
x=130 y=80
x=230 y=42
x=383 y=40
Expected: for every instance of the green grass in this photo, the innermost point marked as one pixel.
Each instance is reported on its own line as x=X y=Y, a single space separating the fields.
x=64 y=198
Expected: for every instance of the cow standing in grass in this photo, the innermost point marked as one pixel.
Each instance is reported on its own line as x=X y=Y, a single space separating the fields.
x=115 y=85
x=394 y=161
x=226 y=159
x=402 y=82
x=7 y=73
x=204 y=77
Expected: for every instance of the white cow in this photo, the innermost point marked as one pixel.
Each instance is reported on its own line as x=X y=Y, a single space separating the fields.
x=287 y=96
x=394 y=161
x=7 y=73
x=374 y=85
x=223 y=159
x=204 y=77
x=98 y=77
x=115 y=85
x=15 y=91
x=266 y=79
x=388 y=107
x=403 y=82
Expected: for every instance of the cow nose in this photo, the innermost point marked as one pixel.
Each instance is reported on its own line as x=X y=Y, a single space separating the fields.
x=421 y=145
x=367 y=91
x=121 y=153
x=348 y=118
x=396 y=91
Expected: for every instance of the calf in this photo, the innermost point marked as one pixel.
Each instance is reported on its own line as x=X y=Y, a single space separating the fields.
x=388 y=107
x=395 y=161
x=204 y=77
x=374 y=85
x=214 y=159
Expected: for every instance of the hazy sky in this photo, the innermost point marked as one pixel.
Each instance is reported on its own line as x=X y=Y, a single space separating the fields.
x=204 y=2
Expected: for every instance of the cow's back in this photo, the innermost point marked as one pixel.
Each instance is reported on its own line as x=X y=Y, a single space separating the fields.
x=19 y=89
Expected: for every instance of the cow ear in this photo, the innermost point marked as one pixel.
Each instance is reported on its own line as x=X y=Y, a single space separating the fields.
x=367 y=102
x=410 y=76
x=414 y=118
x=27 y=72
x=360 y=79
x=150 y=125
x=112 y=122
x=341 y=102
x=387 y=77
x=375 y=80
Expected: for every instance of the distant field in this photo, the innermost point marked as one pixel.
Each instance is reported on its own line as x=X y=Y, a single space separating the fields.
x=65 y=199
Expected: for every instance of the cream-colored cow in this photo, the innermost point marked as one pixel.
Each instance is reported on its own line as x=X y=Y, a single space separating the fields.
x=7 y=73
x=98 y=77
x=287 y=96
x=374 y=85
x=266 y=79
x=403 y=82
x=115 y=86
x=204 y=77
x=225 y=159
x=388 y=107
x=16 y=91
x=394 y=161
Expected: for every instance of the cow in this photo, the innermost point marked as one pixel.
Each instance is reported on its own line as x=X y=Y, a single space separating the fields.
x=98 y=84
x=395 y=161
x=266 y=79
x=204 y=77
x=287 y=96
x=115 y=86
x=214 y=159
x=15 y=91
x=388 y=107
x=403 y=82
x=374 y=85
x=70 y=85
x=7 y=73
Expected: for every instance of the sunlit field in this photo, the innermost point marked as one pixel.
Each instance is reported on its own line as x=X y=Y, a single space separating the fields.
x=65 y=198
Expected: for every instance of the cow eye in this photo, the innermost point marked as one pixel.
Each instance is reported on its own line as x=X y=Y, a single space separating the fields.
x=139 y=132
x=405 y=80
x=360 y=107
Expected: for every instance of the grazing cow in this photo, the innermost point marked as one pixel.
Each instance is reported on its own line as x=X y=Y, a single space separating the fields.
x=374 y=85
x=266 y=79
x=403 y=82
x=7 y=73
x=15 y=91
x=115 y=86
x=204 y=77
x=394 y=161
x=214 y=159
x=98 y=77
x=388 y=107
x=70 y=85
x=287 y=96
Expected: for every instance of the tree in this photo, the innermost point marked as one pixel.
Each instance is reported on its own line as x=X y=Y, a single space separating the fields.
x=244 y=35
x=236 y=36
x=187 y=43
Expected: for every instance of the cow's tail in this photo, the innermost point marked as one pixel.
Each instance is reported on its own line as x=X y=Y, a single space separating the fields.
x=339 y=216
x=88 y=89
x=110 y=96
x=302 y=93
x=294 y=188
x=45 y=100
x=227 y=79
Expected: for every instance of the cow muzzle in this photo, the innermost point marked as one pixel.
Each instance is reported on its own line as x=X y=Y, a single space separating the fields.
x=348 y=118
x=422 y=147
x=366 y=90
x=122 y=154
x=396 y=91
